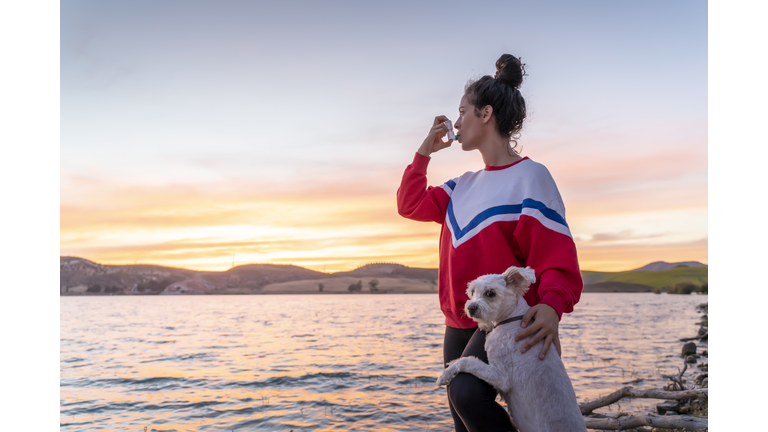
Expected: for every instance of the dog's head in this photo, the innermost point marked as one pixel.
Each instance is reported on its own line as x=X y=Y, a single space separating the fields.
x=492 y=297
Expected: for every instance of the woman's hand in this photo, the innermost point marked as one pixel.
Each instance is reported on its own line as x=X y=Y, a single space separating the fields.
x=544 y=326
x=434 y=140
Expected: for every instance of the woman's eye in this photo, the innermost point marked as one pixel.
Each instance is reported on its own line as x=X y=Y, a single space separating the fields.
x=490 y=294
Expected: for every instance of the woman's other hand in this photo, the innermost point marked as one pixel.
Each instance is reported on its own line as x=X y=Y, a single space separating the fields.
x=544 y=326
x=434 y=140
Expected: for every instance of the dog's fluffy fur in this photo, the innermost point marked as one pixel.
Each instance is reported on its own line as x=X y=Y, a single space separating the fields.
x=538 y=393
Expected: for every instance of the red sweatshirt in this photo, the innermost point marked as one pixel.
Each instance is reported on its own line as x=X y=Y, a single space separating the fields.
x=493 y=219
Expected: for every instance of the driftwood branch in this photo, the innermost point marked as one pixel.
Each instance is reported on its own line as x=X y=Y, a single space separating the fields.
x=588 y=407
x=680 y=375
x=678 y=381
x=657 y=421
x=700 y=337
x=704 y=336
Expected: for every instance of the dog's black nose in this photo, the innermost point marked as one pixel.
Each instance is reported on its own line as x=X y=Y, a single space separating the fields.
x=472 y=309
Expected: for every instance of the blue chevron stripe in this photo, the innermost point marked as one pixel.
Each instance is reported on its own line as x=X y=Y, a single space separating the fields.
x=458 y=232
x=451 y=184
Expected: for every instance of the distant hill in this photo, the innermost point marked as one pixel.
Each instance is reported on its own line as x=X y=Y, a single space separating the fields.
x=663 y=265
x=391 y=269
x=80 y=276
x=653 y=279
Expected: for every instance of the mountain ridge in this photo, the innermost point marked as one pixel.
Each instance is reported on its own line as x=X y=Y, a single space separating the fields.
x=80 y=276
x=663 y=265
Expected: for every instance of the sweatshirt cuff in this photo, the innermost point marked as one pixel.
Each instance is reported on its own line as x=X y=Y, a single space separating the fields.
x=420 y=163
x=557 y=302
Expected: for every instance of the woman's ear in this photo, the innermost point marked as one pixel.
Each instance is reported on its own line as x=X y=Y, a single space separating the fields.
x=486 y=113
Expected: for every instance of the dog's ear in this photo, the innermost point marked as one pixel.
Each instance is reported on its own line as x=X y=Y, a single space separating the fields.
x=519 y=278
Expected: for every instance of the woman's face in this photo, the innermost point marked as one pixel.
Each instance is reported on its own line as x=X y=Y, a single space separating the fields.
x=468 y=124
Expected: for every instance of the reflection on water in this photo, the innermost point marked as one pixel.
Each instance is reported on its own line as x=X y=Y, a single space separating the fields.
x=320 y=362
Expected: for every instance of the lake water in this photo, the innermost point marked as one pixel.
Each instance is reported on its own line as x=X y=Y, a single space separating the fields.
x=322 y=362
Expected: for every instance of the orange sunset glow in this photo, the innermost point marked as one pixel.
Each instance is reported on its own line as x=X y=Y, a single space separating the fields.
x=206 y=230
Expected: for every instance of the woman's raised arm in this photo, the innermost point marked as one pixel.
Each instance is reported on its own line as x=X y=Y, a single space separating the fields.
x=414 y=199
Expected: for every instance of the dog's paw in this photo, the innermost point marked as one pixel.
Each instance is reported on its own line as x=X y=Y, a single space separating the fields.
x=452 y=362
x=447 y=376
x=443 y=380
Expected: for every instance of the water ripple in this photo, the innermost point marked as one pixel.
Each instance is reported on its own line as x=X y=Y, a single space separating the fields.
x=322 y=363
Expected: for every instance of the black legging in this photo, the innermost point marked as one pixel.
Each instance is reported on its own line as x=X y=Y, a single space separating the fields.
x=472 y=400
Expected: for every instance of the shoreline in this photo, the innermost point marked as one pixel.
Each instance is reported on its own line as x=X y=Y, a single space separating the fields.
x=693 y=350
x=320 y=293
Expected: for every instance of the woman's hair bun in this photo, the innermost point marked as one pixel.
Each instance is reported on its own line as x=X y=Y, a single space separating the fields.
x=501 y=94
x=509 y=70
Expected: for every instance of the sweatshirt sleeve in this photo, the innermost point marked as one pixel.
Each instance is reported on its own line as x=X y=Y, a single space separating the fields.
x=546 y=243
x=417 y=201
x=552 y=255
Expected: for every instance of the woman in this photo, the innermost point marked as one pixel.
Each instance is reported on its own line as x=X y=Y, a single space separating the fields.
x=508 y=214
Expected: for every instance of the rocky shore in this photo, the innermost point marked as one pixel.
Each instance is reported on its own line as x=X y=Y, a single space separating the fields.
x=694 y=354
x=685 y=406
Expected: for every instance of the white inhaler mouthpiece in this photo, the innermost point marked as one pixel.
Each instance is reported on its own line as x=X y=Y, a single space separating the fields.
x=450 y=130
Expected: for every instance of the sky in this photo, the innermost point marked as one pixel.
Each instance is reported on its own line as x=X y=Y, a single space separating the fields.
x=41 y=159
x=211 y=134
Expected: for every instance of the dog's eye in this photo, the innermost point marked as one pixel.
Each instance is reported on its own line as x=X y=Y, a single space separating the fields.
x=472 y=292
x=490 y=294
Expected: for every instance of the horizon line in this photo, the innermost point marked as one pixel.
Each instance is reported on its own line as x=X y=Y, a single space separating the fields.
x=319 y=271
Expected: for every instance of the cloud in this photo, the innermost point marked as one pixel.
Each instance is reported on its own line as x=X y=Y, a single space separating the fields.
x=203 y=226
x=623 y=235
x=337 y=253
x=89 y=206
x=347 y=217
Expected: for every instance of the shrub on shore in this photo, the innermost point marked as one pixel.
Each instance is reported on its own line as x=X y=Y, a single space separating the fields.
x=683 y=288
x=106 y=289
x=356 y=287
x=153 y=286
x=373 y=284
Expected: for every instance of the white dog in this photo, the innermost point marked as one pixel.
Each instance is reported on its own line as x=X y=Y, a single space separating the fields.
x=538 y=393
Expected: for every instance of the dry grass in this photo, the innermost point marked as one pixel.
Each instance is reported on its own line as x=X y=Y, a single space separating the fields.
x=341 y=285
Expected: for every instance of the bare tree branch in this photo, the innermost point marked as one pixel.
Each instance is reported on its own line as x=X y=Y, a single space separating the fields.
x=657 y=421
x=588 y=407
x=679 y=380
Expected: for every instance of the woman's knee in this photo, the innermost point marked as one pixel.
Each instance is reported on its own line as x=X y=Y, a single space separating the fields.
x=466 y=390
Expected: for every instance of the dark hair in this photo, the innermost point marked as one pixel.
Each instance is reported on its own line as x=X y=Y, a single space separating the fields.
x=502 y=94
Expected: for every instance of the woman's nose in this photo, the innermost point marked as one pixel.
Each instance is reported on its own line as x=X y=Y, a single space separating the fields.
x=457 y=123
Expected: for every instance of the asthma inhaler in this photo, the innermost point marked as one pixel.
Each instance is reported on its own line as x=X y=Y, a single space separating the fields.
x=450 y=130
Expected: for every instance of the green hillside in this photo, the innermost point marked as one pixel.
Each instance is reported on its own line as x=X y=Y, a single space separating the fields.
x=656 y=279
